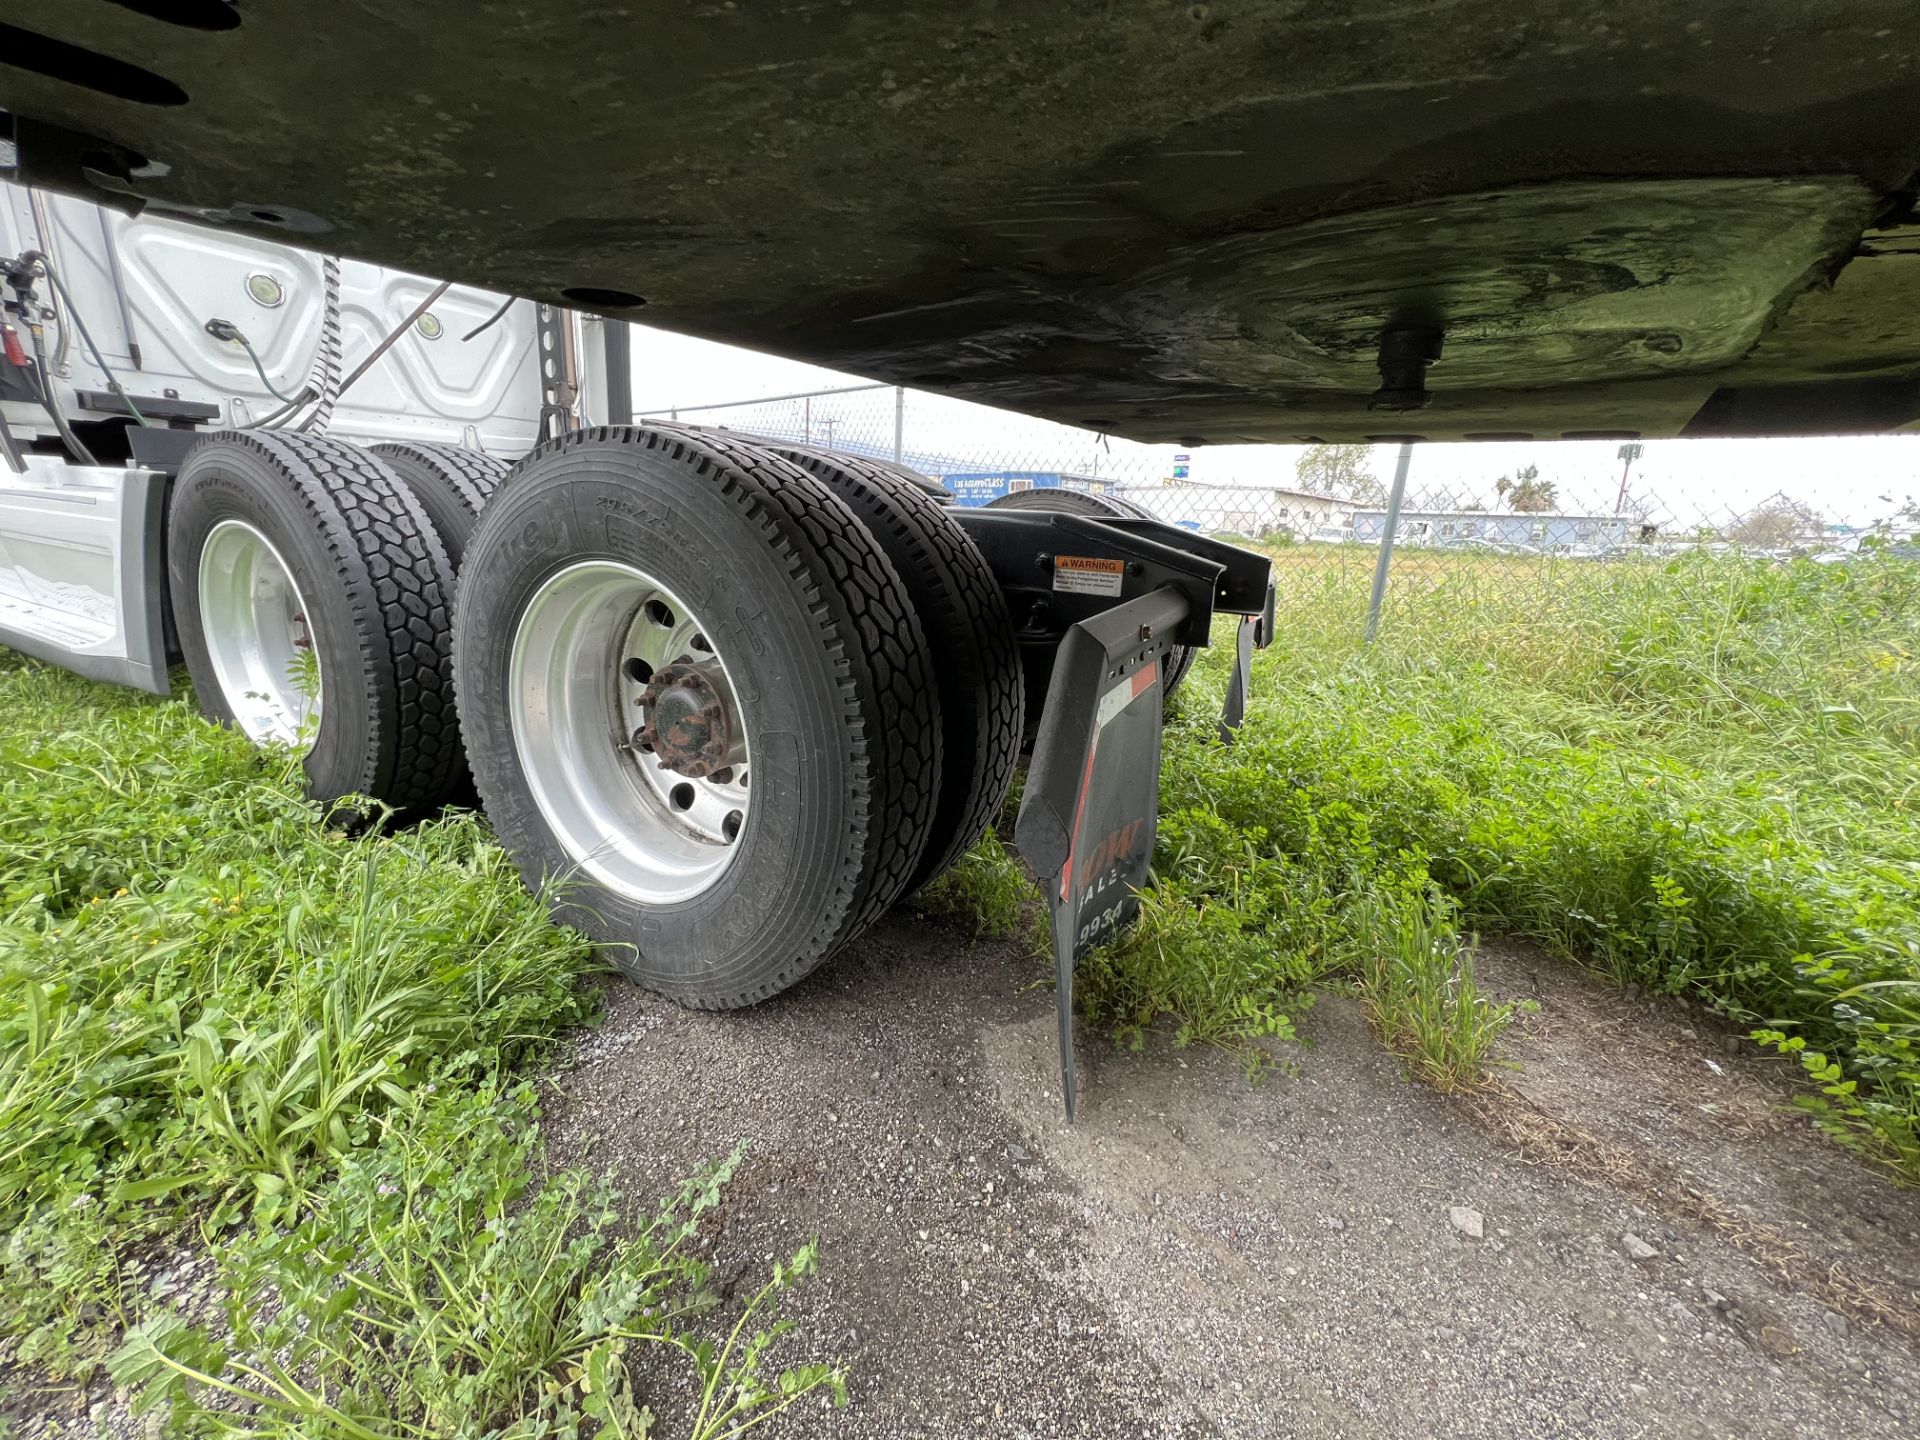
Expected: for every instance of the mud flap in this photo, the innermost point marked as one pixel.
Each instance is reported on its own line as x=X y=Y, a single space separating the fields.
x=1087 y=818
x=1253 y=632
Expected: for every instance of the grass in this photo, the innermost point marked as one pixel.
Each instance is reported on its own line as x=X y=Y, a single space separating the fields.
x=227 y=1030
x=1700 y=775
x=224 y=1028
x=1415 y=975
x=986 y=891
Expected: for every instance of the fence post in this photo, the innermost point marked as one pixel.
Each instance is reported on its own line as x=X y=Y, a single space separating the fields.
x=899 y=419
x=1386 y=539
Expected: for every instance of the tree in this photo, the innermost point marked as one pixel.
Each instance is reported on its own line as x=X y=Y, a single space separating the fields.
x=1775 y=524
x=1527 y=493
x=1341 y=470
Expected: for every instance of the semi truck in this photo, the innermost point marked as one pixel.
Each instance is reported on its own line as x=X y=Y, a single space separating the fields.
x=731 y=700
x=726 y=700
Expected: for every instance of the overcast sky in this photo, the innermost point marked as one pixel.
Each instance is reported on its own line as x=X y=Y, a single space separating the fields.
x=1854 y=481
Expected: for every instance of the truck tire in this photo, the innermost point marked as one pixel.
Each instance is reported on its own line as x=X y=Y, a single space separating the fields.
x=700 y=708
x=964 y=615
x=451 y=483
x=936 y=492
x=1080 y=502
x=282 y=545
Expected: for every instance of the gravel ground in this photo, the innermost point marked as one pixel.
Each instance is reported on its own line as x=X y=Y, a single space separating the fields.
x=1335 y=1251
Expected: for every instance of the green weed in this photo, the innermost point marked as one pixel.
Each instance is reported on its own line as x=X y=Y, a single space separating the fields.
x=1415 y=973
x=987 y=890
x=222 y=1021
x=1700 y=775
x=441 y=1285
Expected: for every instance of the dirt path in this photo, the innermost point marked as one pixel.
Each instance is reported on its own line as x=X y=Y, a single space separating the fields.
x=1198 y=1257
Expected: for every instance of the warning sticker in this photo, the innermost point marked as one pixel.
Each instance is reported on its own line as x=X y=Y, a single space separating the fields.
x=1086 y=575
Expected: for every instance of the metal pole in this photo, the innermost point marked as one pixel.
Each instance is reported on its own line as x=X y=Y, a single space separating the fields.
x=616 y=338
x=1386 y=539
x=806 y=411
x=119 y=288
x=899 y=419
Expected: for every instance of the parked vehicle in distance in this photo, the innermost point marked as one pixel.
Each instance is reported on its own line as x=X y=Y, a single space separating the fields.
x=1896 y=550
x=1482 y=545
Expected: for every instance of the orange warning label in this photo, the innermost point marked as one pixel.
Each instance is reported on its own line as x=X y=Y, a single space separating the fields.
x=1088 y=575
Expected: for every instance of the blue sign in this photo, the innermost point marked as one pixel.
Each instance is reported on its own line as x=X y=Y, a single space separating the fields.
x=1180 y=463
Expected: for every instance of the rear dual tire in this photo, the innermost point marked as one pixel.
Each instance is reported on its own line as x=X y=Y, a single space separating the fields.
x=452 y=484
x=812 y=647
x=964 y=614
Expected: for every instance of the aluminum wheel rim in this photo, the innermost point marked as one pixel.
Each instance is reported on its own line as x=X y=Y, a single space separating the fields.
x=254 y=621
x=583 y=652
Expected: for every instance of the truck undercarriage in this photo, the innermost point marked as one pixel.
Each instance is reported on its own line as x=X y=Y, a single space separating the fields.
x=1247 y=220
x=724 y=700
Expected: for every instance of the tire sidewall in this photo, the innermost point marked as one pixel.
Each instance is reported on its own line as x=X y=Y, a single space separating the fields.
x=231 y=484
x=796 y=860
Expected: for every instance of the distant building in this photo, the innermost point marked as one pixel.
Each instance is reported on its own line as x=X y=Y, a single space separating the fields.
x=978 y=487
x=1254 y=511
x=1512 y=529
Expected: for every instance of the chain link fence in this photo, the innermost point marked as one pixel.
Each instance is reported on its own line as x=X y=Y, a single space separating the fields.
x=1476 y=530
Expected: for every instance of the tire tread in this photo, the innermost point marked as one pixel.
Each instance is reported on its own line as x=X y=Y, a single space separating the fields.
x=965 y=616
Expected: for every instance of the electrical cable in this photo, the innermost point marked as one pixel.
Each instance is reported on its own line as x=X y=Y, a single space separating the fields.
x=306 y=395
x=43 y=228
x=491 y=321
x=324 y=373
x=67 y=437
x=231 y=333
x=261 y=371
x=86 y=337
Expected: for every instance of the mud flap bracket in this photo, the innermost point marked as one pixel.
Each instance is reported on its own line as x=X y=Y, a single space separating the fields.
x=1254 y=632
x=1091 y=805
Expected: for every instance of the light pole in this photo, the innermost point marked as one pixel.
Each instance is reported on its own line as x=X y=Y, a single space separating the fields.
x=1629 y=453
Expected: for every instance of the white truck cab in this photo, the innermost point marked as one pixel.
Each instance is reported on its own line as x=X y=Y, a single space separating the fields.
x=115 y=315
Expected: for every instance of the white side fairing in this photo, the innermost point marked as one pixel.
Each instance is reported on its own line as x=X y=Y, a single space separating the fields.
x=80 y=569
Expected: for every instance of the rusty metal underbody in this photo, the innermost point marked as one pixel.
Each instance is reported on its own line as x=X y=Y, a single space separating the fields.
x=1232 y=221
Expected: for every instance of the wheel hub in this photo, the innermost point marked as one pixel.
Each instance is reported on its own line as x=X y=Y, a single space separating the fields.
x=655 y=813
x=686 y=724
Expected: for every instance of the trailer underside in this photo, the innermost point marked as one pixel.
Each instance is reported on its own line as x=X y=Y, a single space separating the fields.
x=1191 y=222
